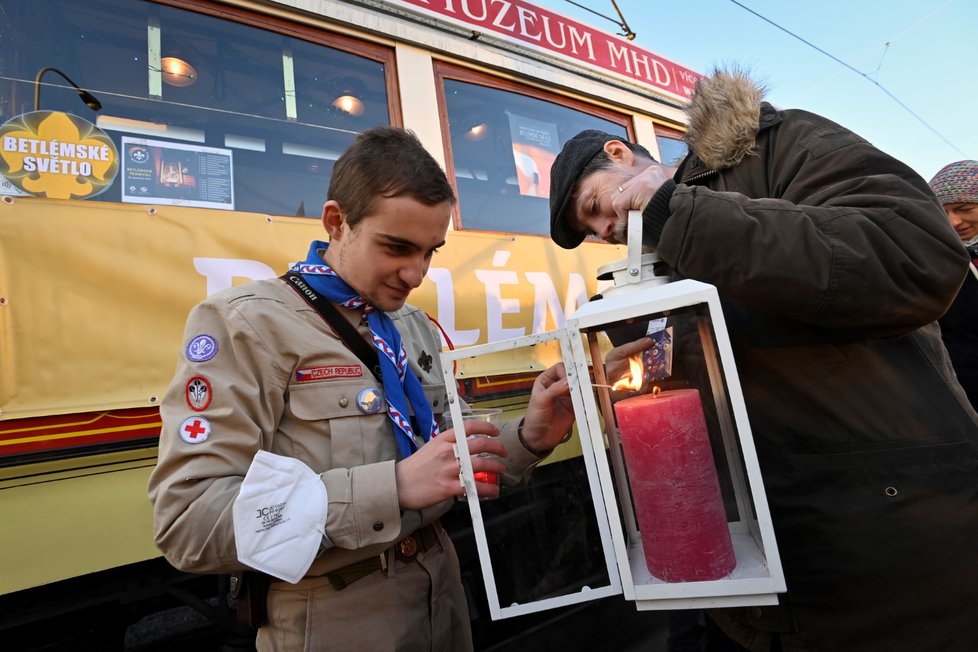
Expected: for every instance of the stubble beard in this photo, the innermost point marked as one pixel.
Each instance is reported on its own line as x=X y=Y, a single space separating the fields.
x=620 y=230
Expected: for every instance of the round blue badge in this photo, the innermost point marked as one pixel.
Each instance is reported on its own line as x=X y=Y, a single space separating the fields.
x=201 y=348
x=369 y=400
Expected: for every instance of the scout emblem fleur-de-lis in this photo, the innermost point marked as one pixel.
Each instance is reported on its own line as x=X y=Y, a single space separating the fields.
x=424 y=361
x=201 y=348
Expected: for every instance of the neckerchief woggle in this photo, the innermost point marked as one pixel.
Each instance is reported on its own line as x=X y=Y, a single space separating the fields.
x=401 y=387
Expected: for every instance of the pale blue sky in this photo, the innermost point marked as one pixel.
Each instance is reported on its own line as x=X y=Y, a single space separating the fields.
x=930 y=64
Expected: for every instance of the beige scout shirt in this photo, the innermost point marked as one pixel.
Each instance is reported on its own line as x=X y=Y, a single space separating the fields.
x=280 y=380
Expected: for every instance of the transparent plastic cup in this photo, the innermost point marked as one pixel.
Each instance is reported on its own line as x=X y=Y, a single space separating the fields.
x=493 y=416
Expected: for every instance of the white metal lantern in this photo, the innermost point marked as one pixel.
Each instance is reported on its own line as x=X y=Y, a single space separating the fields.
x=675 y=486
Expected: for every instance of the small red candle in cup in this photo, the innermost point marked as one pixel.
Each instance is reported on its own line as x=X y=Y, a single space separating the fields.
x=486 y=477
x=675 y=487
x=491 y=415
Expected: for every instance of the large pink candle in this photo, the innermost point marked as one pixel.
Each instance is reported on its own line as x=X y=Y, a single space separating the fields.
x=675 y=487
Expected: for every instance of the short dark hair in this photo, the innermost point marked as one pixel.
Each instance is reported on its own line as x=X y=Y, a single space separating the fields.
x=600 y=161
x=386 y=162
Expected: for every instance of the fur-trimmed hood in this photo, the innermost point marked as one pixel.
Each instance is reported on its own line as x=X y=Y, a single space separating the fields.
x=724 y=115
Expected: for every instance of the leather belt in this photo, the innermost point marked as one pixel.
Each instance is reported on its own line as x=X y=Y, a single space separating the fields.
x=405 y=550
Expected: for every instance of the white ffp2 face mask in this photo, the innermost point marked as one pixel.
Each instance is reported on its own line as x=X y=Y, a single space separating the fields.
x=279 y=516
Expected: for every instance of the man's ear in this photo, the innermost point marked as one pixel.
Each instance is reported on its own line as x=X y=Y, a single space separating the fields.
x=334 y=220
x=618 y=152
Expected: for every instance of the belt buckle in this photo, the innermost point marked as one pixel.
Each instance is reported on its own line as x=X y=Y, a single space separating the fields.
x=408 y=548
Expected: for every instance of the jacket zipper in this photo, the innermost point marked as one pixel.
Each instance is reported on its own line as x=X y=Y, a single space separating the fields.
x=697 y=177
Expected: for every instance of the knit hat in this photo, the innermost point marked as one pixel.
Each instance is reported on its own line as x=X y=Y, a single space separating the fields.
x=957 y=183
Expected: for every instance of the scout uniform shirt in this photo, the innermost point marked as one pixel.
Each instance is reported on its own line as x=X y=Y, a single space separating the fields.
x=261 y=370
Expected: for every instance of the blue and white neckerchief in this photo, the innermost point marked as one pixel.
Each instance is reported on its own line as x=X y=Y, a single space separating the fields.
x=401 y=387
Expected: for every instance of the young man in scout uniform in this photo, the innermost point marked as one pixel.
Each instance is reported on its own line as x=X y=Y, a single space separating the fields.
x=290 y=448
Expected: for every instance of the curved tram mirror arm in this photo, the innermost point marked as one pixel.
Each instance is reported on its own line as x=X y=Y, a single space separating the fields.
x=86 y=97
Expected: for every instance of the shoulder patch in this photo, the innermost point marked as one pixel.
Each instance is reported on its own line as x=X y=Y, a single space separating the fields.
x=201 y=348
x=195 y=430
x=198 y=393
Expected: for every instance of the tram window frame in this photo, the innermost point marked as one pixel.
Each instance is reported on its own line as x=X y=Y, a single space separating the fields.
x=304 y=171
x=672 y=138
x=445 y=71
x=316 y=35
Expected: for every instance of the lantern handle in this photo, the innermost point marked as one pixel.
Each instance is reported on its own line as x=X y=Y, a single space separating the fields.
x=634 y=274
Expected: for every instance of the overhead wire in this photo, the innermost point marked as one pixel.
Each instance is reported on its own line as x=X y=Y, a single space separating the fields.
x=859 y=72
x=626 y=30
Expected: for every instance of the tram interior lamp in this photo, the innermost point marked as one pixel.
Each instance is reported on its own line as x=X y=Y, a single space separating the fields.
x=177 y=72
x=348 y=95
x=477 y=131
x=86 y=97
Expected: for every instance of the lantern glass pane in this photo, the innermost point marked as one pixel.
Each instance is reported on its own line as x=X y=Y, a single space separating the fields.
x=543 y=542
x=683 y=472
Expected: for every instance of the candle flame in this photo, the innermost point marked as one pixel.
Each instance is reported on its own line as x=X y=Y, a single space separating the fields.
x=634 y=378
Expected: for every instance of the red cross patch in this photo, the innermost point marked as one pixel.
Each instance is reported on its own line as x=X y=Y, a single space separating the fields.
x=195 y=430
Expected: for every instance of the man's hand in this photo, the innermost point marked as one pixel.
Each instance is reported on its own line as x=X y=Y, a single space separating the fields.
x=616 y=362
x=636 y=193
x=549 y=414
x=431 y=474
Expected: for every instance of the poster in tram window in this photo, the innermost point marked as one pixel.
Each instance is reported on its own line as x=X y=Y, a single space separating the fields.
x=159 y=172
x=535 y=147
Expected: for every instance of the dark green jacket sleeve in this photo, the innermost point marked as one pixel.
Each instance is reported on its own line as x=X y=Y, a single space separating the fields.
x=819 y=226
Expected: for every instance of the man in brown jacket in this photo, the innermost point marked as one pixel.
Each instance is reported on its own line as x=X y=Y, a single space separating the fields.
x=289 y=449
x=832 y=261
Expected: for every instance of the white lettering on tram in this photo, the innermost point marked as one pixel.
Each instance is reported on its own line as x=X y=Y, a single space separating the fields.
x=639 y=64
x=545 y=299
x=528 y=18
x=496 y=304
x=55 y=148
x=501 y=14
x=549 y=34
x=56 y=157
x=548 y=312
x=445 y=289
x=221 y=272
x=508 y=17
x=581 y=39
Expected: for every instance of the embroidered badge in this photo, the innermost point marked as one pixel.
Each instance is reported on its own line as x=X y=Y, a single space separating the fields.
x=424 y=361
x=201 y=348
x=328 y=372
x=369 y=401
x=198 y=393
x=195 y=430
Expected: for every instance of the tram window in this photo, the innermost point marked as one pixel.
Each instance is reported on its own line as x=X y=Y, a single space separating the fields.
x=672 y=150
x=503 y=142
x=248 y=119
